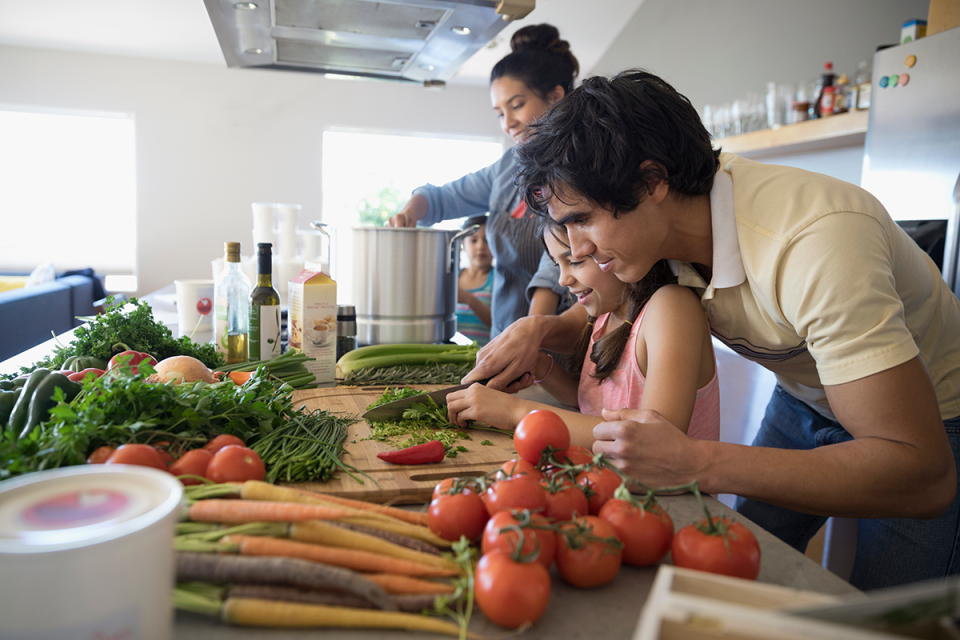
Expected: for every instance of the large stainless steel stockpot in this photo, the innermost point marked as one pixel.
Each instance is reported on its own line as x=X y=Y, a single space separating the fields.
x=404 y=283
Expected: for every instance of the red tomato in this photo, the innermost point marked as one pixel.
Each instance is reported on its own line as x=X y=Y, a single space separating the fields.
x=511 y=593
x=588 y=563
x=602 y=483
x=165 y=455
x=506 y=541
x=538 y=430
x=452 y=515
x=568 y=499
x=645 y=533
x=518 y=492
x=732 y=552
x=444 y=487
x=222 y=441
x=100 y=455
x=140 y=454
x=517 y=466
x=577 y=455
x=192 y=463
x=234 y=463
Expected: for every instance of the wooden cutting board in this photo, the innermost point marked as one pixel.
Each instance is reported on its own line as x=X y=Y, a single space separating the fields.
x=399 y=484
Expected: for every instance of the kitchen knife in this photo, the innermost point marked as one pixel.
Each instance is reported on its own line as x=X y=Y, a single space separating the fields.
x=394 y=410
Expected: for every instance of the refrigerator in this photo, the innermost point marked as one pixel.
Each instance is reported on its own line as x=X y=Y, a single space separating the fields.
x=912 y=149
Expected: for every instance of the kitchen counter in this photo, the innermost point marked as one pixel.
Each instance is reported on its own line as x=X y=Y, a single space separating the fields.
x=610 y=611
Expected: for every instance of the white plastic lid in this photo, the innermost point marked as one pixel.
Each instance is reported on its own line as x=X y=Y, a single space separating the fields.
x=84 y=505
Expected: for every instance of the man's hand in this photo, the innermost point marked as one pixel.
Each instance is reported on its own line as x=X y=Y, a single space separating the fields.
x=511 y=355
x=646 y=447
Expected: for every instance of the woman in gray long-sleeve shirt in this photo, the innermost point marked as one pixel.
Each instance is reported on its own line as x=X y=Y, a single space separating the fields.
x=539 y=71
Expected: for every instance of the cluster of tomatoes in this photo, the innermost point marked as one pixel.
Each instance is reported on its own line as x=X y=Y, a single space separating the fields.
x=556 y=503
x=224 y=459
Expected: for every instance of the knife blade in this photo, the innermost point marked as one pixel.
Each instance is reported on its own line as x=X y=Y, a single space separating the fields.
x=394 y=410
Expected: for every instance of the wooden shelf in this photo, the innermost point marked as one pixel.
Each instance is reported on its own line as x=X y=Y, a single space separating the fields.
x=843 y=130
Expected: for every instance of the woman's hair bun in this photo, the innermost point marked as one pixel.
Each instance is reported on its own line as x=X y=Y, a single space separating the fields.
x=539 y=36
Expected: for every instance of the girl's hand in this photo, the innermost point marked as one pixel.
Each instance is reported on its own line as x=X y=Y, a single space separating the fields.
x=477 y=402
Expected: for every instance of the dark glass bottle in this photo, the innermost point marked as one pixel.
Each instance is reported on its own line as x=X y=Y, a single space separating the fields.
x=264 y=309
x=826 y=80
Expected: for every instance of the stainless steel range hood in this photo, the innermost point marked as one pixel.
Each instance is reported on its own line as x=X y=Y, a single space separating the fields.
x=421 y=41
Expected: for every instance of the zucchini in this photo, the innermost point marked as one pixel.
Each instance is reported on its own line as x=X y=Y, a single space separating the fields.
x=42 y=400
x=7 y=385
x=18 y=417
x=7 y=400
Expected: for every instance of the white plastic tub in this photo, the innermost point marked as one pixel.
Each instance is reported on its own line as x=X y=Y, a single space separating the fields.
x=87 y=552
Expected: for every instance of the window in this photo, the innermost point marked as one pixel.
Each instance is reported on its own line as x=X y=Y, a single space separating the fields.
x=69 y=193
x=368 y=176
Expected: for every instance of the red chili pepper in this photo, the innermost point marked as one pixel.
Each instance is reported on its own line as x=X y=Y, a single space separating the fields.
x=418 y=454
x=78 y=376
x=131 y=360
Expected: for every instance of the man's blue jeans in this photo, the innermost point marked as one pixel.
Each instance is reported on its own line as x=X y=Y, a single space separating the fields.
x=890 y=551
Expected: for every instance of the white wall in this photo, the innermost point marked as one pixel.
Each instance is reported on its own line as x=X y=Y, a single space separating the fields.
x=211 y=140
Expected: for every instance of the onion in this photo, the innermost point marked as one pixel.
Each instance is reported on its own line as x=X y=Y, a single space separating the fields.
x=179 y=369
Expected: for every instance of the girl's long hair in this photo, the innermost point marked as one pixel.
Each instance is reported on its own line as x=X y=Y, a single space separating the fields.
x=608 y=350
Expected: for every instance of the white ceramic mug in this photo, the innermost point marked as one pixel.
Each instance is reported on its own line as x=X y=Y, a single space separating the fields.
x=194 y=306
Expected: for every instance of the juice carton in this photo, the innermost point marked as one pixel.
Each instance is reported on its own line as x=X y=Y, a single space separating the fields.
x=313 y=321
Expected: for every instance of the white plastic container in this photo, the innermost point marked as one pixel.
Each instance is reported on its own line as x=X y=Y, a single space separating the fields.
x=87 y=552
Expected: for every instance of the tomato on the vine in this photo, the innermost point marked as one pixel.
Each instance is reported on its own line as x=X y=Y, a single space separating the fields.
x=452 y=515
x=588 y=552
x=494 y=537
x=222 y=441
x=538 y=430
x=518 y=492
x=191 y=463
x=234 y=463
x=602 y=484
x=646 y=533
x=577 y=455
x=564 y=499
x=731 y=549
x=511 y=593
x=516 y=467
x=139 y=454
x=100 y=455
x=445 y=485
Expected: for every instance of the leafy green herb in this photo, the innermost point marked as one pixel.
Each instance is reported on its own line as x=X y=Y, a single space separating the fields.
x=461 y=449
x=459 y=604
x=394 y=393
x=487 y=443
x=126 y=409
x=121 y=328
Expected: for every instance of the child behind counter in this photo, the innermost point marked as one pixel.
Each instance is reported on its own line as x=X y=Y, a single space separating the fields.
x=475 y=285
x=647 y=346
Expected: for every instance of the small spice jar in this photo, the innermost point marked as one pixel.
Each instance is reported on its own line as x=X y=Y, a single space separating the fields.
x=346 y=329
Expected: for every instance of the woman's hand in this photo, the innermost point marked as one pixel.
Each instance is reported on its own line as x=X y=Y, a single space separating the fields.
x=477 y=402
x=414 y=210
x=648 y=448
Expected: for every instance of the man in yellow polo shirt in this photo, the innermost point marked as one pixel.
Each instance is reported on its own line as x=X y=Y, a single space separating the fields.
x=804 y=274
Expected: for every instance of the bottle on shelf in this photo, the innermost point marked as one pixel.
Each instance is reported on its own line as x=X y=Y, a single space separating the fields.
x=826 y=80
x=827 y=100
x=264 y=308
x=863 y=81
x=231 y=292
x=841 y=100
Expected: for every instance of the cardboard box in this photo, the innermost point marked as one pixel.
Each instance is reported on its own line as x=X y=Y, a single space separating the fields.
x=312 y=320
x=943 y=15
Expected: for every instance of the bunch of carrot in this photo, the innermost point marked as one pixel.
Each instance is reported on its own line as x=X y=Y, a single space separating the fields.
x=262 y=555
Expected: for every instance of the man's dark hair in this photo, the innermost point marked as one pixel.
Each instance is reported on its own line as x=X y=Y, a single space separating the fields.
x=593 y=142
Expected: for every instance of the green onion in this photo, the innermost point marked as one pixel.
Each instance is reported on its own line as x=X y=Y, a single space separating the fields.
x=384 y=356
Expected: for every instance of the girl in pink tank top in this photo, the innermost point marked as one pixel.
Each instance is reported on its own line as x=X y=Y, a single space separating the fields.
x=647 y=346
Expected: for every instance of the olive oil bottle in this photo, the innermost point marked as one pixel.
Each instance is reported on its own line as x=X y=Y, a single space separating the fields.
x=264 y=309
x=232 y=307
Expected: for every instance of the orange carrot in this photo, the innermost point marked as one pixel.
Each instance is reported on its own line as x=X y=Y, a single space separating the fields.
x=329 y=534
x=239 y=377
x=396 y=584
x=336 y=556
x=379 y=521
x=411 y=517
x=275 y=613
x=244 y=511
x=259 y=490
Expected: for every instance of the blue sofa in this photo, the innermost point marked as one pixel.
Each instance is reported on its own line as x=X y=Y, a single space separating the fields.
x=32 y=315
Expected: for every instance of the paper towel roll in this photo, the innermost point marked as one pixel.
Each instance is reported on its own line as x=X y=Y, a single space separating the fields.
x=263 y=215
